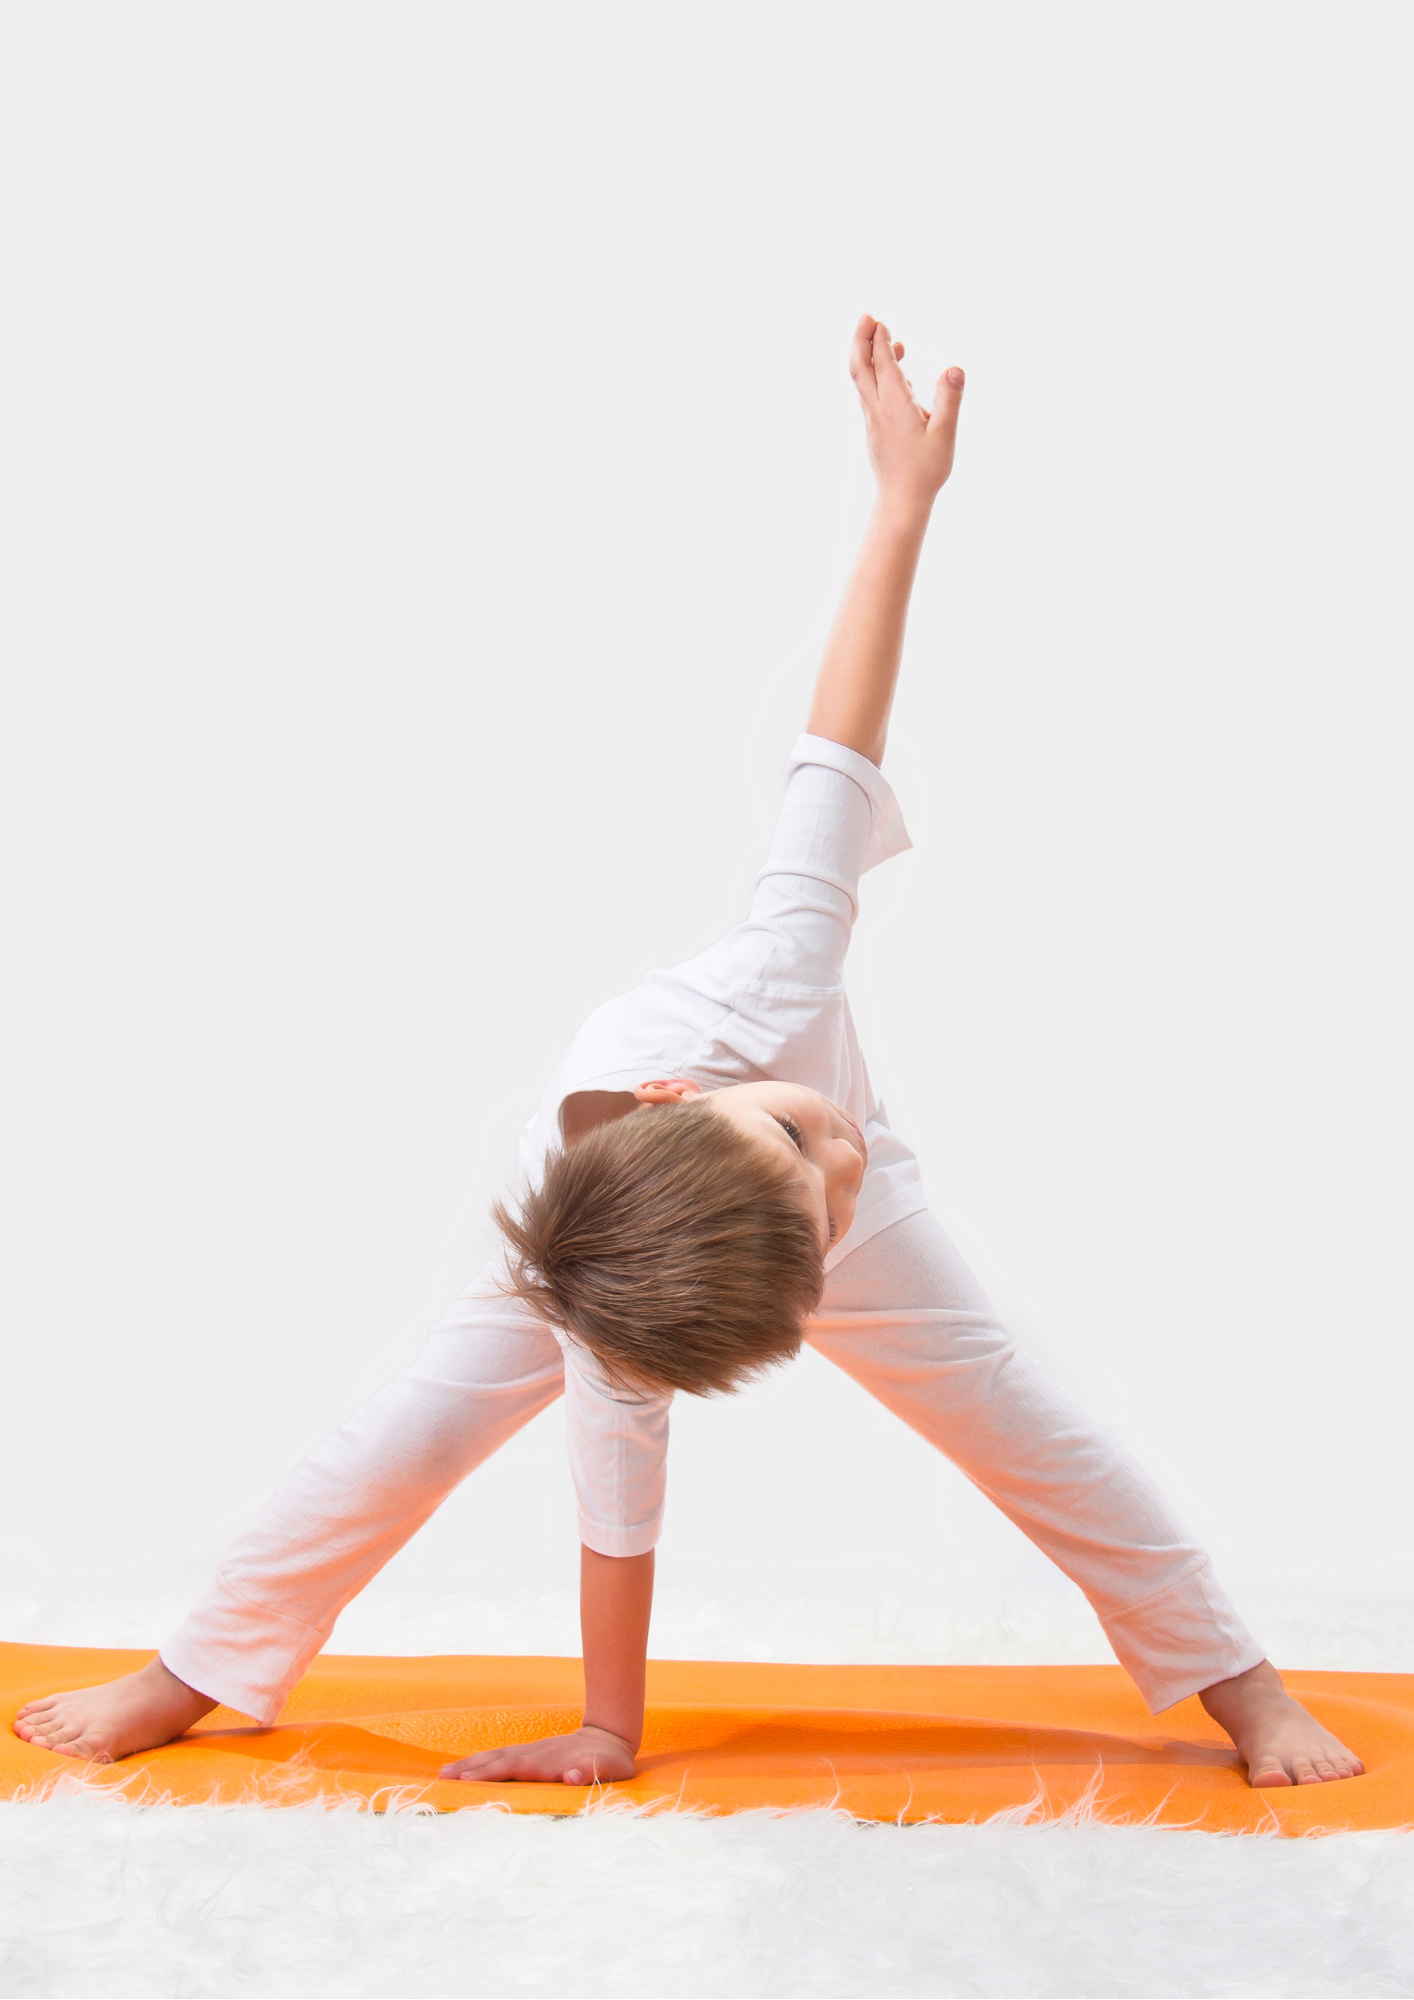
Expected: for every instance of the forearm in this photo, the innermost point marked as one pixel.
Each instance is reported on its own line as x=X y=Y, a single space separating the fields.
x=615 y=1603
x=854 y=690
x=859 y=673
x=911 y=451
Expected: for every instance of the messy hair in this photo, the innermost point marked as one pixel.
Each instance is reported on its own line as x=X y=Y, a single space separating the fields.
x=672 y=1247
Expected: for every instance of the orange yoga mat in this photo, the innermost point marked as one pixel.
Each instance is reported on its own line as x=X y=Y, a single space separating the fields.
x=883 y=1743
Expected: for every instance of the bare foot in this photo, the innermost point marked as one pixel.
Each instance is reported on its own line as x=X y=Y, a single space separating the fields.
x=103 y=1723
x=1280 y=1742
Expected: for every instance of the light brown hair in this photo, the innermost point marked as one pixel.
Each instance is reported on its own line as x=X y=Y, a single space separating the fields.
x=672 y=1247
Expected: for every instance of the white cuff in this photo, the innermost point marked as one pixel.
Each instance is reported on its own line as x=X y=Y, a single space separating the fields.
x=1182 y=1640
x=887 y=833
x=246 y=1657
x=608 y=1541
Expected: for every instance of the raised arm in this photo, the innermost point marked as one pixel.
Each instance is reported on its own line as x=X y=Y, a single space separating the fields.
x=911 y=452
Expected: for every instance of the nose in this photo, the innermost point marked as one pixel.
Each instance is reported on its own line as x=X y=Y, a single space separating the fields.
x=847 y=1163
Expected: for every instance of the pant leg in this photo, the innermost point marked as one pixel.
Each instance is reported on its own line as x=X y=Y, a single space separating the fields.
x=488 y=1367
x=905 y=1317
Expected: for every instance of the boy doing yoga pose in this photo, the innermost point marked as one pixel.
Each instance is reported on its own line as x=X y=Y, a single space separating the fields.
x=711 y=1181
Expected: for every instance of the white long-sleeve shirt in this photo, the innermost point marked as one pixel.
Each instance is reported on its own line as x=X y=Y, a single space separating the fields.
x=768 y=1000
x=900 y=1313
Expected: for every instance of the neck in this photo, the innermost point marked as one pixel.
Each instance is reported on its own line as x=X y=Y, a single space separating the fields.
x=586 y=1110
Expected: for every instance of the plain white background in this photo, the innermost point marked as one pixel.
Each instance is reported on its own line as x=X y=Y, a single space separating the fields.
x=429 y=467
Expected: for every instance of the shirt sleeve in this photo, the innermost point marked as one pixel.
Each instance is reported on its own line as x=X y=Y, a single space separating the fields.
x=618 y=1457
x=838 y=819
x=887 y=835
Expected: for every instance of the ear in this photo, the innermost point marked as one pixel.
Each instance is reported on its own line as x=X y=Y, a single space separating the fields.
x=668 y=1090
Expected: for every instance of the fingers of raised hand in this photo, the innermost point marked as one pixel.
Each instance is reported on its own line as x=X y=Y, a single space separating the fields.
x=886 y=356
x=947 y=401
x=861 y=359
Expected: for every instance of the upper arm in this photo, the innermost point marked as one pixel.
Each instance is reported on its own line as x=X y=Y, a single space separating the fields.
x=806 y=897
x=618 y=1454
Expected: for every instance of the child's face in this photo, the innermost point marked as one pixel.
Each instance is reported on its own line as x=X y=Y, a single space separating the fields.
x=822 y=1142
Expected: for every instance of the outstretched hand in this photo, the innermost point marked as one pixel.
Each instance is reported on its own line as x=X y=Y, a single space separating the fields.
x=585 y=1757
x=910 y=448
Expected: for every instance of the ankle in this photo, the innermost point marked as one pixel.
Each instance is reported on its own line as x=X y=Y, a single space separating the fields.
x=1231 y=1701
x=172 y=1692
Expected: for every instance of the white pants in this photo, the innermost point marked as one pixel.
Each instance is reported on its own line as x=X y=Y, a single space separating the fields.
x=903 y=1315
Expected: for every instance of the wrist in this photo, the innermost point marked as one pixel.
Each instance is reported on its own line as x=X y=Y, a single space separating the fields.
x=903 y=510
x=619 y=1736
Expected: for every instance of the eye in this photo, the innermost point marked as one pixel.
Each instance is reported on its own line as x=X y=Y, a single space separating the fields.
x=792 y=1131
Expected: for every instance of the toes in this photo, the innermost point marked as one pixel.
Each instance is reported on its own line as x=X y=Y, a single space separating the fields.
x=1268 y=1771
x=58 y=1729
x=86 y=1752
x=62 y=1738
x=38 y=1732
x=59 y=1745
x=1304 y=1771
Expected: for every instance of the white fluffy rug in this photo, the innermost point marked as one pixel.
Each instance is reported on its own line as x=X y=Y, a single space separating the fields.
x=104 y=1898
x=110 y=1899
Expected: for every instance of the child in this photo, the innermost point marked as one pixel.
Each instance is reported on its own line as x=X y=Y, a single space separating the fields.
x=711 y=1180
